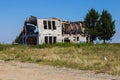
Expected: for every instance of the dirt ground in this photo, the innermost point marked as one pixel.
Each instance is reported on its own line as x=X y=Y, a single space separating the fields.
x=30 y=71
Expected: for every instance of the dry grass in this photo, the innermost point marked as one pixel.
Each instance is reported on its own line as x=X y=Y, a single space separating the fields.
x=87 y=57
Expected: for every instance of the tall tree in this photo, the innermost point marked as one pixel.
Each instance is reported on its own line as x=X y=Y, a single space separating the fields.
x=91 y=20
x=106 y=26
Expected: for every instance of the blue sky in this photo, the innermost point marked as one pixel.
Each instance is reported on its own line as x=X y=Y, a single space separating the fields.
x=14 y=12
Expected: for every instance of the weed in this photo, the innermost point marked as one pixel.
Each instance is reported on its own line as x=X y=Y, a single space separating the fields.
x=78 y=56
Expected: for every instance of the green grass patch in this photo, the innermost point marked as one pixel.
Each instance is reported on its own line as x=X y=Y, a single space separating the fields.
x=77 y=56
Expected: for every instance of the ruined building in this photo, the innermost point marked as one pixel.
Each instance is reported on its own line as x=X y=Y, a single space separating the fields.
x=44 y=31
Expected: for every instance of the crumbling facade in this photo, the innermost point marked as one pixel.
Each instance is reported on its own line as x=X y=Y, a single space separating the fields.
x=44 y=31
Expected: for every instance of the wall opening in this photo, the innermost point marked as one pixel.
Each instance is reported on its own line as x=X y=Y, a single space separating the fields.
x=32 y=40
x=53 y=23
x=30 y=29
x=54 y=39
x=46 y=39
x=49 y=24
x=78 y=38
x=45 y=24
x=74 y=38
x=50 y=39
x=66 y=40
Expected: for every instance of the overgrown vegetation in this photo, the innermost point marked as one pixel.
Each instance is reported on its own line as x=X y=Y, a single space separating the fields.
x=96 y=57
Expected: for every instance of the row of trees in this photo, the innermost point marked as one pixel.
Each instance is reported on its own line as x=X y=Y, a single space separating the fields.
x=98 y=26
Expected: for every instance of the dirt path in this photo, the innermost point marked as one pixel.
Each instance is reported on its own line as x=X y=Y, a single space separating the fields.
x=29 y=71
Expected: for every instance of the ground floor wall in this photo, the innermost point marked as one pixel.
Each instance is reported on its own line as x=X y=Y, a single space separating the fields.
x=51 y=39
x=74 y=38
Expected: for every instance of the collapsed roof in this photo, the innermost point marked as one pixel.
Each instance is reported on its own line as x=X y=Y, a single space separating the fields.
x=73 y=27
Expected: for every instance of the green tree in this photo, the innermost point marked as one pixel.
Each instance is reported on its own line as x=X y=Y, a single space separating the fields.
x=91 y=20
x=105 y=26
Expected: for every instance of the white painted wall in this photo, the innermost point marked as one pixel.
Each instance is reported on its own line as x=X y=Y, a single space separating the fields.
x=73 y=38
x=46 y=32
x=57 y=32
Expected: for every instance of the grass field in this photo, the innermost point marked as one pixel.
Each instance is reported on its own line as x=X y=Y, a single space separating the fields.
x=101 y=58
